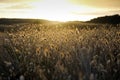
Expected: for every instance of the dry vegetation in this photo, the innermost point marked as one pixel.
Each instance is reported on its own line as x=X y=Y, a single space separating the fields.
x=61 y=52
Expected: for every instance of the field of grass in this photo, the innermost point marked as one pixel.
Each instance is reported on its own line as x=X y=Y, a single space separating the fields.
x=62 y=51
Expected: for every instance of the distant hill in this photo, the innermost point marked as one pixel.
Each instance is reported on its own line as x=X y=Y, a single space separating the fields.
x=113 y=19
x=17 y=21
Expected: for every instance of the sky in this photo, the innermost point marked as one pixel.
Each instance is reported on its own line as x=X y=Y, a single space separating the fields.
x=58 y=10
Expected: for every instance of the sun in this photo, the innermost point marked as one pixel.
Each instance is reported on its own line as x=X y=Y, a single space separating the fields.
x=51 y=10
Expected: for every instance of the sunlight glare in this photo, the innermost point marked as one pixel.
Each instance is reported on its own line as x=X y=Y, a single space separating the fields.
x=61 y=10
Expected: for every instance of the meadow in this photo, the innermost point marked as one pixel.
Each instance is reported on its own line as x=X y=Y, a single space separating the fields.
x=61 y=51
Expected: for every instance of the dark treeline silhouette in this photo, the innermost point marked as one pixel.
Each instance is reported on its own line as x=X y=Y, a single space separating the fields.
x=114 y=19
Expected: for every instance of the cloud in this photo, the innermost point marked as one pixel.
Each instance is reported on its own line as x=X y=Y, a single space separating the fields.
x=19 y=6
x=16 y=4
x=16 y=1
x=10 y=1
x=98 y=3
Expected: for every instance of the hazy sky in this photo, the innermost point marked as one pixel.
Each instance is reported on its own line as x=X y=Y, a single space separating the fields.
x=61 y=10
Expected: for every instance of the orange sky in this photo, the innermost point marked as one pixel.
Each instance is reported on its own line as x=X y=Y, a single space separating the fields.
x=60 y=10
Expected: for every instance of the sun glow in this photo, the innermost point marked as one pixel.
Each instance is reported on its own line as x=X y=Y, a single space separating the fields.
x=61 y=10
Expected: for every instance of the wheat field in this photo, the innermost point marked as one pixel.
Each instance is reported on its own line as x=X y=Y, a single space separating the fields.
x=61 y=51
